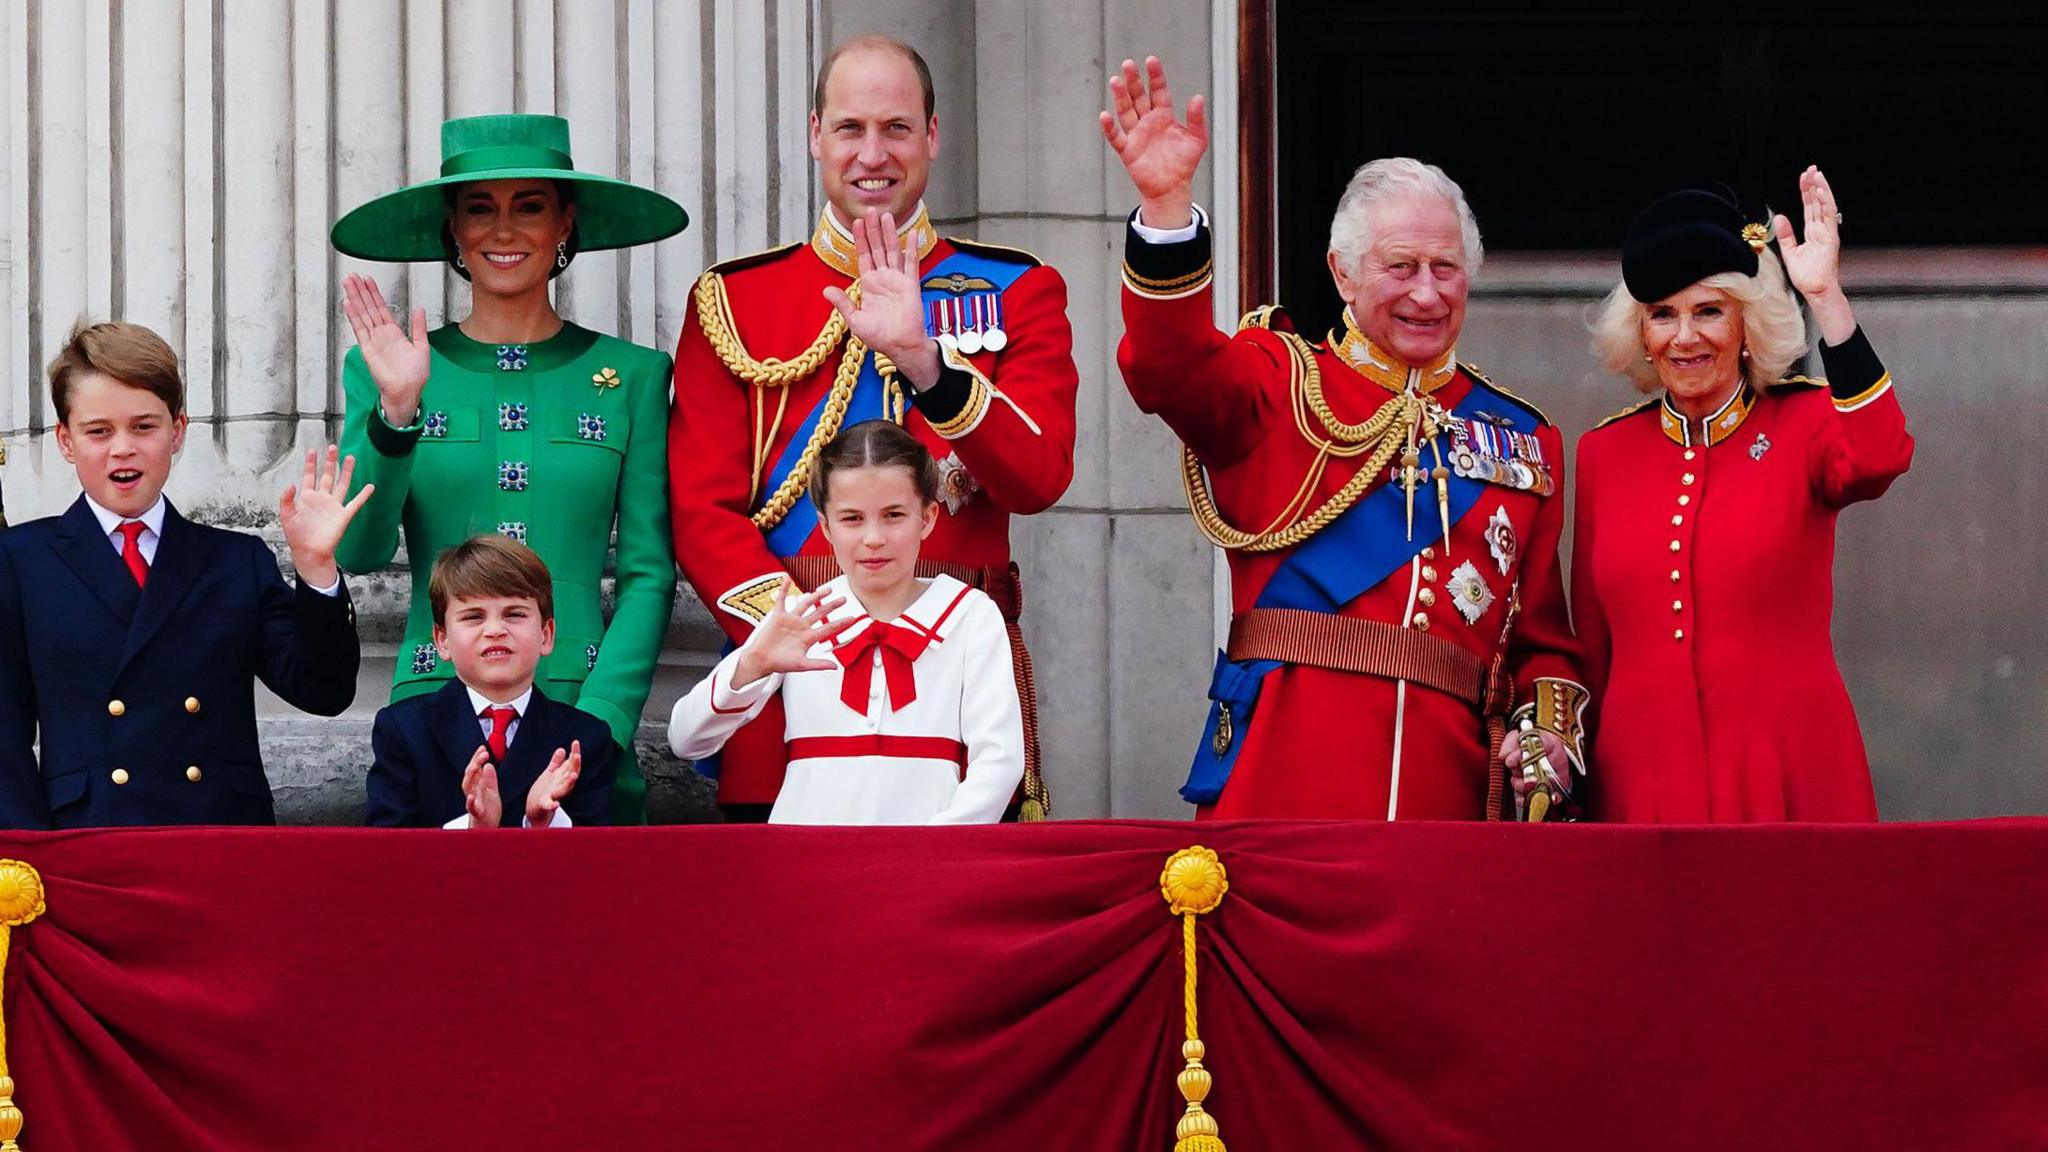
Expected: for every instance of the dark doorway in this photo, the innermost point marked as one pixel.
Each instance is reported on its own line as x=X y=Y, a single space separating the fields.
x=1932 y=123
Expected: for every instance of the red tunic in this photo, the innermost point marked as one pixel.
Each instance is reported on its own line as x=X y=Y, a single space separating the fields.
x=1002 y=428
x=1703 y=587
x=1322 y=742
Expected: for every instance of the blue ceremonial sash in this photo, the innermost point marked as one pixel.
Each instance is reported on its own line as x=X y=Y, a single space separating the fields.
x=1351 y=555
x=787 y=538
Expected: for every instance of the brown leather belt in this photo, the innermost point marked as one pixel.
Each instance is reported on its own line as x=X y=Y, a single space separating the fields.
x=1299 y=636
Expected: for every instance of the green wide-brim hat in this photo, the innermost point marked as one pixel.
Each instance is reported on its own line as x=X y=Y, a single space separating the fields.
x=406 y=224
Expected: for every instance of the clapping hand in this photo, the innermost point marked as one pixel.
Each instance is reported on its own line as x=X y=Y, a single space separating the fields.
x=782 y=642
x=889 y=316
x=1159 y=151
x=554 y=785
x=1814 y=263
x=480 y=791
x=397 y=363
x=313 y=515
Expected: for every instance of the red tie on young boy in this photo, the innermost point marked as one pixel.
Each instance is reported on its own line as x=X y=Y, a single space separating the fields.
x=131 y=550
x=501 y=722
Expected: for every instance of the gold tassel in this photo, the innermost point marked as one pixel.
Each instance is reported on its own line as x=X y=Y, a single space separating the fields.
x=21 y=900
x=1193 y=883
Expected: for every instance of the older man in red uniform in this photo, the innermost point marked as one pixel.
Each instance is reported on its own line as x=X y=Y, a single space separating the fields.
x=1391 y=516
x=782 y=349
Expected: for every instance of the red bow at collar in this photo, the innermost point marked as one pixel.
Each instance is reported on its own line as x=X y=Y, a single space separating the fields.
x=900 y=647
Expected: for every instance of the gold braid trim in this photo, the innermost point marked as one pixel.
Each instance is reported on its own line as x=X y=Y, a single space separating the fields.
x=714 y=314
x=1383 y=435
x=799 y=478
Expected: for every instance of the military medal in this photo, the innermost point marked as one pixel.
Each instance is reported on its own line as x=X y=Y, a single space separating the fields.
x=970 y=332
x=994 y=339
x=1469 y=593
x=942 y=325
x=1220 y=742
x=1500 y=538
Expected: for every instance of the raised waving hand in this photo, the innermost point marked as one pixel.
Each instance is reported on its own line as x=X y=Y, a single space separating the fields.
x=1813 y=259
x=1158 y=150
x=397 y=361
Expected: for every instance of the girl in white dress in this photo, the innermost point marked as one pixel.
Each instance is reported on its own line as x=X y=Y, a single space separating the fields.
x=899 y=695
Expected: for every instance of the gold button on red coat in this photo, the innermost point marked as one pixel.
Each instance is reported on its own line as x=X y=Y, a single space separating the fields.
x=1674 y=545
x=1421 y=621
x=1674 y=575
x=1679 y=634
x=1689 y=453
x=1684 y=500
x=1427 y=596
x=1678 y=605
x=1686 y=479
x=1677 y=520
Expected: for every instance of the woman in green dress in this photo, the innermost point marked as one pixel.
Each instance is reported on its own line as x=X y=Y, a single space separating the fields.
x=513 y=420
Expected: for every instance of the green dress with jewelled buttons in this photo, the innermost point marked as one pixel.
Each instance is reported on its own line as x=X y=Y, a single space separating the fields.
x=551 y=444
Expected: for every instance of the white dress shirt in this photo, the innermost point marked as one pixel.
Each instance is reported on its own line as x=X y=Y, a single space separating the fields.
x=479 y=704
x=153 y=532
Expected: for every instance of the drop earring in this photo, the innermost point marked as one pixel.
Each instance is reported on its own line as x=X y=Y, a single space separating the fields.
x=459 y=265
x=562 y=254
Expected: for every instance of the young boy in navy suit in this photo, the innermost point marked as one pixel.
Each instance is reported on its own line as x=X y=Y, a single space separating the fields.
x=448 y=758
x=131 y=639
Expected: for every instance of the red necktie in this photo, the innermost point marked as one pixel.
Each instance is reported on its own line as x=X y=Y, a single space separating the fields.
x=501 y=723
x=899 y=647
x=131 y=550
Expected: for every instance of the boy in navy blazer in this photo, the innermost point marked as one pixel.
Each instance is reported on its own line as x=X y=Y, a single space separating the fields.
x=131 y=639
x=446 y=759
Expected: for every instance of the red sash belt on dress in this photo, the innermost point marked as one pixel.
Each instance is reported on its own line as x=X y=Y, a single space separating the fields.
x=873 y=744
x=1299 y=636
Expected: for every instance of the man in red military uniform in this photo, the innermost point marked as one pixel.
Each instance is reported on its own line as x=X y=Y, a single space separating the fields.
x=780 y=350
x=1391 y=516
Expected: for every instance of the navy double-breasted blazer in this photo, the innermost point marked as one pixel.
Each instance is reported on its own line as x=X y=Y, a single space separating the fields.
x=144 y=698
x=422 y=744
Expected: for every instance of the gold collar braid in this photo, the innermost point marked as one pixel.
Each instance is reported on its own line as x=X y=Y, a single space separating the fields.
x=834 y=243
x=1405 y=418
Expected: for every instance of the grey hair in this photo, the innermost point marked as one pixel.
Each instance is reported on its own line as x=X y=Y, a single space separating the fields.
x=1393 y=178
x=1773 y=329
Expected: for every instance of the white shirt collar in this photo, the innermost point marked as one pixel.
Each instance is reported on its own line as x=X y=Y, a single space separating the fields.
x=478 y=702
x=110 y=522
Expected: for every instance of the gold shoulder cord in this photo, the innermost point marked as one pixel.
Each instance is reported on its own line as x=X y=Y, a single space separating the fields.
x=714 y=314
x=1383 y=434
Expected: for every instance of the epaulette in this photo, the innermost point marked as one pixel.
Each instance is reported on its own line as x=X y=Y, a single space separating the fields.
x=1269 y=316
x=1798 y=380
x=1628 y=411
x=1002 y=252
x=740 y=263
x=1476 y=374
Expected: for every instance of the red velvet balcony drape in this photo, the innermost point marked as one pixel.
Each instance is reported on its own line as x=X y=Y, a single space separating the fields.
x=1362 y=986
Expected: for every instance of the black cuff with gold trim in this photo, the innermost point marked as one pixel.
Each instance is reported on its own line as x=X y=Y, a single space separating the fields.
x=1173 y=269
x=1852 y=368
x=947 y=397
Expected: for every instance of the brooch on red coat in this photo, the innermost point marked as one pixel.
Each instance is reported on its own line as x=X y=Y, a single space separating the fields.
x=1762 y=445
x=1469 y=592
x=956 y=484
x=1500 y=538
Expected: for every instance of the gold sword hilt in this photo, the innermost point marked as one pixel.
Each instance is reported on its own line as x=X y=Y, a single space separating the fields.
x=1536 y=770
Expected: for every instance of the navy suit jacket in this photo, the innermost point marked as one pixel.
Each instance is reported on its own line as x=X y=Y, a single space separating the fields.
x=422 y=744
x=145 y=698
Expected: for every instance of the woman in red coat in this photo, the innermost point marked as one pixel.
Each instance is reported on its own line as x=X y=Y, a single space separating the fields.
x=1702 y=572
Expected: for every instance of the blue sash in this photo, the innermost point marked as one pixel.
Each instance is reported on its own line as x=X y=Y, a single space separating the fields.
x=787 y=538
x=1351 y=555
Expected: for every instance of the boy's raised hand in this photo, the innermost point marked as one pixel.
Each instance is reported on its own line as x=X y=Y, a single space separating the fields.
x=480 y=790
x=783 y=640
x=554 y=785
x=313 y=514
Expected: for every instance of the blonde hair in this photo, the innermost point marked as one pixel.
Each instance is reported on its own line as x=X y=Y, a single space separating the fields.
x=1773 y=330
